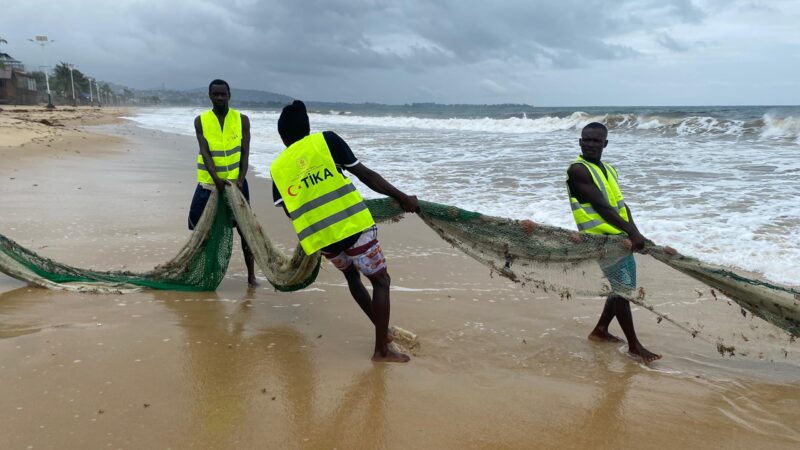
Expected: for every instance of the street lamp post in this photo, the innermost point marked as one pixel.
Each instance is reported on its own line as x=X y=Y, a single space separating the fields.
x=97 y=91
x=43 y=40
x=72 y=83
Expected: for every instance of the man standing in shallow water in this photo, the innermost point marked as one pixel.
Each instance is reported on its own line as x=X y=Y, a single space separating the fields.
x=598 y=208
x=328 y=213
x=224 y=138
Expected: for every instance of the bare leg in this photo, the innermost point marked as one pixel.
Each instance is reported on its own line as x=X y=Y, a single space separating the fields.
x=249 y=262
x=600 y=332
x=361 y=295
x=358 y=291
x=380 y=314
x=622 y=310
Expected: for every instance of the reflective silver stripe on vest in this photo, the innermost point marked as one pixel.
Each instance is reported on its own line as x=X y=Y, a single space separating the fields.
x=576 y=206
x=620 y=204
x=220 y=168
x=330 y=220
x=591 y=224
x=589 y=210
x=321 y=200
x=586 y=209
x=230 y=152
x=610 y=170
x=600 y=183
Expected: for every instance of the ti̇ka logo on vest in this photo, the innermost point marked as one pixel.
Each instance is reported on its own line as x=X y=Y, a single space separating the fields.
x=310 y=177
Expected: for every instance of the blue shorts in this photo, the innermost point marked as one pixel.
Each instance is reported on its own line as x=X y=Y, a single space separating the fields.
x=621 y=274
x=200 y=199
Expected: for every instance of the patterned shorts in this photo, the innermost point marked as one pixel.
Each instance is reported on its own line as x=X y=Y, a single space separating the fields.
x=621 y=274
x=365 y=254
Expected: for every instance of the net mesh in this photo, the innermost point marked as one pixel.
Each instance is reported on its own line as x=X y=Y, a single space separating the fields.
x=541 y=258
x=200 y=264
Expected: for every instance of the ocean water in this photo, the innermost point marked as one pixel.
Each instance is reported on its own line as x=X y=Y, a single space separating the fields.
x=718 y=183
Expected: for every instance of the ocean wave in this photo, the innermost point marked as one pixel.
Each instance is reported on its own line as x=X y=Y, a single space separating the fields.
x=766 y=127
x=511 y=125
x=781 y=127
x=737 y=216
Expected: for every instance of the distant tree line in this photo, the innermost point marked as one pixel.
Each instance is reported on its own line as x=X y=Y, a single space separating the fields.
x=87 y=91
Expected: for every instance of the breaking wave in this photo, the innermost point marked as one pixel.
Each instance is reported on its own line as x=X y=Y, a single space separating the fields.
x=694 y=190
x=767 y=126
x=785 y=127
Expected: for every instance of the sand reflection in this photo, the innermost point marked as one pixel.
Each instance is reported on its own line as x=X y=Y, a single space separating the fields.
x=604 y=424
x=243 y=375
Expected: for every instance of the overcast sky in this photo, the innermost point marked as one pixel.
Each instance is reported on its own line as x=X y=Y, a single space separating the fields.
x=546 y=53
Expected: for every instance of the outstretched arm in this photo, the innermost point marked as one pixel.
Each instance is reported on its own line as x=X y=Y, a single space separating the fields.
x=208 y=161
x=587 y=191
x=377 y=183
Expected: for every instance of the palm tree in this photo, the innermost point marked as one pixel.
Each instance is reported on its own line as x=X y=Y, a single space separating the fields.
x=81 y=83
x=105 y=90
x=127 y=95
x=60 y=80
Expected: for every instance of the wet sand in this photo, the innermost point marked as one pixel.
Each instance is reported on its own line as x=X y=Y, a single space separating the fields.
x=500 y=366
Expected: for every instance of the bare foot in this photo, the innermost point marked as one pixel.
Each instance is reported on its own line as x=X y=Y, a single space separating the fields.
x=603 y=336
x=390 y=355
x=642 y=353
x=252 y=283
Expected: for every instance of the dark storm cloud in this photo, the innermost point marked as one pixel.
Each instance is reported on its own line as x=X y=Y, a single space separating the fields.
x=315 y=36
x=411 y=50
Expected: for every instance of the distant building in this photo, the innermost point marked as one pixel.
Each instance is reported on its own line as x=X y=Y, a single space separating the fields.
x=16 y=86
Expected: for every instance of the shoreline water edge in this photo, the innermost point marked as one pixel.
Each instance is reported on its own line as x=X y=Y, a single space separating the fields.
x=499 y=366
x=694 y=174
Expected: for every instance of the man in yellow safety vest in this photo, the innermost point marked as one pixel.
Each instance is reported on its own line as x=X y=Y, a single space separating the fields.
x=599 y=208
x=329 y=215
x=224 y=138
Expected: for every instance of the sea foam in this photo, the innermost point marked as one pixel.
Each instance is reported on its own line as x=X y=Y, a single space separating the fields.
x=714 y=186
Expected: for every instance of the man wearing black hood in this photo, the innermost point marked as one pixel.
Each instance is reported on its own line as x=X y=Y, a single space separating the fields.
x=330 y=216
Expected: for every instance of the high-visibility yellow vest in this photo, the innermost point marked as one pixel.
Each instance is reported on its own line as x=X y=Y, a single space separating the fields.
x=224 y=143
x=323 y=204
x=587 y=219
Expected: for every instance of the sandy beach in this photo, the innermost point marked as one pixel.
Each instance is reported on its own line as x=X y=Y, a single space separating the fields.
x=499 y=365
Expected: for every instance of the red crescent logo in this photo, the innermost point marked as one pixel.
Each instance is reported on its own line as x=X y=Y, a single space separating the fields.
x=290 y=191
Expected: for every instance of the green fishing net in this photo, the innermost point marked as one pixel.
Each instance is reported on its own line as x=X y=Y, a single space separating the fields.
x=200 y=265
x=541 y=258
